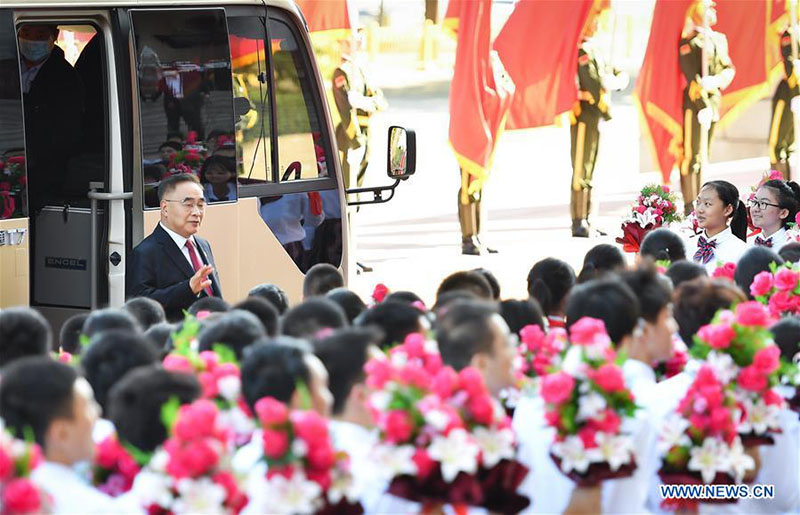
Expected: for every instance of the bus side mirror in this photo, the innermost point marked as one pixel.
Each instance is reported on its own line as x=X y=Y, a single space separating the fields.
x=402 y=158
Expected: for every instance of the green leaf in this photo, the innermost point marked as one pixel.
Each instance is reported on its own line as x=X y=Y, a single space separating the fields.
x=664 y=263
x=224 y=353
x=169 y=412
x=139 y=456
x=84 y=341
x=305 y=395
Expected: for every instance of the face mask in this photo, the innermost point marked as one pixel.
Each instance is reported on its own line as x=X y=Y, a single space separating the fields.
x=35 y=51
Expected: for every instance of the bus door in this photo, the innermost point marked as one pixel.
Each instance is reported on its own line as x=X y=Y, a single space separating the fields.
x=67 y=77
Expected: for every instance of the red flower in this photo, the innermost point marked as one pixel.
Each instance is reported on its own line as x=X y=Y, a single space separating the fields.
x=321 y=477
x=6 y=464
x=424 y=463
x=609 y=423
x=752 y=313
x=767 y=360
x=762 y=284
x=310 y=426
x=771 y=398
x=321 y=456
x=557 y=387
x=785 y=279
x=720 y=420
x=17 y=160
x=380 y=292
x=481 y=409
x=398 y=426
x=753 y=379
x=21 y=496
x=609 y=377
x=107 y=452
x=472 y=381
x=271 y=411
x=235 y=499
x=276 y=443
x=445 y=382
x=717 y=336
x=587 y=434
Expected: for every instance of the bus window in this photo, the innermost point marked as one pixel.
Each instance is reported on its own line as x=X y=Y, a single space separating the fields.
x=250 y=72
x=186 y=100
x=301 y=149
x=13 y=200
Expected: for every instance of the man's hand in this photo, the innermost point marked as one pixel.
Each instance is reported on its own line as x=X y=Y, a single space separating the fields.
x=705 y=116
x=200 y=280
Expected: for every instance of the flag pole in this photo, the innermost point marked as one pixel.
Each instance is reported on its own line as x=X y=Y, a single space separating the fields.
x=794 y=159
x=704 y=70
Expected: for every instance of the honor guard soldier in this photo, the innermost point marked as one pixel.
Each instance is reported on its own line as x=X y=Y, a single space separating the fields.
x=707 y=67
x=781 y=131
x=356 y=102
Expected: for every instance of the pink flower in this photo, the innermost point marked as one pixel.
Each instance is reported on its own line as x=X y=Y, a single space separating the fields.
x=771 y=398
x=609 y=423
x=6 y=464
x=276 y=443
x=177 y=363
x=21 y=496
x=419 y=305
x=415 y=375
x=781 y=302
x=609 y=377
x=208 y=382
x=587 y=434
x=210 y=359
x=752 y=313
x=717 y=336
x=398 y=426
x=380 y=292
x=472 y=381
x=321 y=456
x=751 y=378
x=767 y=360
x=444 y=382
x=65 y=357
x=414 y=345
x=379 y=372
x=192 y=458
x=481 y=409
x=310 y=426
x=196 y=420
x=271 y=412
x=424 y=463
x=557 y=387
x=203 y=314
x=107 y=453
x=786 y=280
x=720 y=420
x=726 y=271
x=532 y=336
x=762 y=284
x=587 y=331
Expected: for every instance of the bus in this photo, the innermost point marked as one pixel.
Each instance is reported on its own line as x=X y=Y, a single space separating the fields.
x=227 y=90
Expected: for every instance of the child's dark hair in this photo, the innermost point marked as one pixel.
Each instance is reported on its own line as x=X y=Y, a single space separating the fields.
x=697 y=301
x=609 y=300
x=729 y=196
x=312 y=315
x=112 y=354
x=494 y=284
x=549 y=282
x=754 y=261
x=464 y=331
x=236 y=330
x=470 y=280
x=790 y=252
x=228 y=163
x=788 y=193
x=320 y=279
x=135 y=403
x=600 y=260
x=344 y=355
x=69 y=338
x=272 y=293
x=146 y=311
x=663 y=245
x=649 y=288
x=159 y=336
x=685 y=270
x=23 y=332
x=211 y=304
x=786 y=334
x=349 y=301
x=395 y=320
x=171 y=144
x=273 y=370
x=107 y=319
x=36 y=390
x=409 y=297
x=520 y=313
x=264 y=311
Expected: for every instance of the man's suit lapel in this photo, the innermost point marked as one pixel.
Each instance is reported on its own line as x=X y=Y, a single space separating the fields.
x=175 y=254
x=205 y=254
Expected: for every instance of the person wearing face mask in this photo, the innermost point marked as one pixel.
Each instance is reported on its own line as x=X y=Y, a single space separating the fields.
x=53 y=103
x=773 y=208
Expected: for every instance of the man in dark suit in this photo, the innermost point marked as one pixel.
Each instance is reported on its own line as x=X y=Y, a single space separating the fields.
x=174 y=266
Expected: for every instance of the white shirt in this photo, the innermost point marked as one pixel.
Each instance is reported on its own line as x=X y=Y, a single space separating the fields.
x=103 y=428
x=71 y=494
x=180 y=241
x=729 y=249
x=779 y=239
x=289 y=216
x=208 y=191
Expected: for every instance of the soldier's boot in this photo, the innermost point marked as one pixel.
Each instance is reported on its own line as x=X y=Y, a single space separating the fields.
x=478 y=216
x=689 y=195
x=466 y=218
x=592 y=229
x=577 y=208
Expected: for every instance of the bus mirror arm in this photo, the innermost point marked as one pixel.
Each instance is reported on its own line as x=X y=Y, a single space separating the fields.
x=377 y=192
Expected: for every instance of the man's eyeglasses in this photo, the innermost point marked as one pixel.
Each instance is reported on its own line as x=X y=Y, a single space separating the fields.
x=760 y=204
x=190 y=204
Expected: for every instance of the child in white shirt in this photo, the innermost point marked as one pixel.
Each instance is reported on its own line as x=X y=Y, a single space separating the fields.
x=719 y=242
x=773 y=207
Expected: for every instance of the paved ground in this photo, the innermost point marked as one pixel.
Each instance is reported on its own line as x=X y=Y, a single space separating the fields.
x=413 y=241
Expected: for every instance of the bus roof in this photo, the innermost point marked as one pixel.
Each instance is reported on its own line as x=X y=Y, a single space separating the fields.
x=95 y=4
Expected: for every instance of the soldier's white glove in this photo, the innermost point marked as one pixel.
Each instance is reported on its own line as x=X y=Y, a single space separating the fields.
x=709 y=82
x=795 y=105
x=616 y=82
x=705 y=116
x=796 y=66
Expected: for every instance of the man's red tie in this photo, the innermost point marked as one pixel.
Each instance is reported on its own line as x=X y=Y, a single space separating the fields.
x=197 y=264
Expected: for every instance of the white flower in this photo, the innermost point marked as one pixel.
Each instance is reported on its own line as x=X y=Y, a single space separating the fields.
x=151 y=488
x=760 y=417
x=739 y=462
x=673 y=433
x=281 y=495
x=615 y=450
x=572 y=454
x=399 y=358
x=380 y=400
x=573 y=362
x=455 y=453
x=431 y=347
x=299 y=447
x=590 y=405
x=709 y=459
x=238 y=421
x=229 y=387
x=199 y=496
x=437 y=419
x=159 y=461
x=393 y=461
x=723 y=366
x=343 y=486
x=494 y=445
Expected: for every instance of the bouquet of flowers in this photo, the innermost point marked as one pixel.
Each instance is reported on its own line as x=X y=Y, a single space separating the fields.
x=305 y=474
x=674 y=365
x=540 y=353
x=699 y=443
x=586 y=403
x=116 y=465
x=12 y=185
x=18 y=458
x=738 y=348
x=191 y=472
x=443 y=439
x=218 y=374
x=778 y=289
x=724 y=271
x=655 y=207
x=790 y=380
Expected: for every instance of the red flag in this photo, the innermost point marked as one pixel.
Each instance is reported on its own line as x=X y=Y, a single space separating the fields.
x=659 y=88
x=325 y=14
x=450 y=21
x=479 y=94
x=539 y=47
